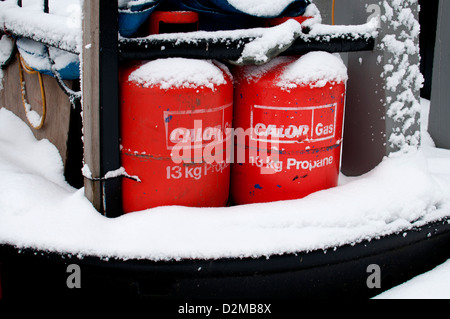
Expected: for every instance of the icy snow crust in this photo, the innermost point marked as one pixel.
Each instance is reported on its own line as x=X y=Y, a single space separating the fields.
x=39 y=210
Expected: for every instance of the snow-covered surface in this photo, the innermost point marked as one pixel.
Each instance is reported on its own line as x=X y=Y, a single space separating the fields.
x=178 y=72
x=6 y=48
x=356 y=31
x=261 y=8
x=59 y=7
x=38 y=209
x=268 y=42
x=402 y=71
x=62 y=28
x=129 y=4
x=364 y=30
x=433 y=284
x=86 y=172
x=275 y=38
x=316 y=69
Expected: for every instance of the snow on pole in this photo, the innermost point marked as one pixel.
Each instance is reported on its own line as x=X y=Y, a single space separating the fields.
x=402 y=74
x=383 y=95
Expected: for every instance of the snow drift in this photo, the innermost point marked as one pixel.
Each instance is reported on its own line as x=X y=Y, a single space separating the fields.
x=38 y=209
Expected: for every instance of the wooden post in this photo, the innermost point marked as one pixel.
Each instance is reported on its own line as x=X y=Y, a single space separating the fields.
x=101 y=104
x=91 y=99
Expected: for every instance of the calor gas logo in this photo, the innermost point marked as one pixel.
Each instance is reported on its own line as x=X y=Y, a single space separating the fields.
x=197 y=127
x=293 y=124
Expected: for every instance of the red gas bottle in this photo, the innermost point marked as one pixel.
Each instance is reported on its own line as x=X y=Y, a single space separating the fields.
x=174 y=116
x=291 y=111
x=172 y=21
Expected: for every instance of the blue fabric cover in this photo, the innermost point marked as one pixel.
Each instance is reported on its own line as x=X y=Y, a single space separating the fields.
x=36 y=56
x=296 y=8
x=221 y=15
x=214 y=14
x=131 y=19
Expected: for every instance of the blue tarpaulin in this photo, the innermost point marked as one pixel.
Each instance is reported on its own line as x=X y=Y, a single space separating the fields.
x=134 y=15
x=36 y=56
x=214 y=14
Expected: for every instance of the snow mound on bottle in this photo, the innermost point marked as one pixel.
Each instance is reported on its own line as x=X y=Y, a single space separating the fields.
x=261 y=8
x=314 y=69
x=178 y=73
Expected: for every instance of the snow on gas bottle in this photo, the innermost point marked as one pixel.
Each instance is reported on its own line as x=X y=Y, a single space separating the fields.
x=291 y=111
x=174 y=117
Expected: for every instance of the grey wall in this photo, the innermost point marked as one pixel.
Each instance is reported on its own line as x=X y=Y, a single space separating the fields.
x=380 y=117
x=439 y=119
x=325 y=7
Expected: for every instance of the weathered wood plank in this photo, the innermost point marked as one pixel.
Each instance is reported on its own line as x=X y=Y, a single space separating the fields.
x=91 y=100
x=100 y=104
x=56 y=125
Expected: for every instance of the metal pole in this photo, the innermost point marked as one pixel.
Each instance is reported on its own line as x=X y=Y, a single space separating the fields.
x=109 y=106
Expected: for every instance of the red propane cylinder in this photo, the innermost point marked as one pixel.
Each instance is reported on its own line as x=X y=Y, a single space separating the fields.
x=172 y=21
x=172 y=111
x=292 y=113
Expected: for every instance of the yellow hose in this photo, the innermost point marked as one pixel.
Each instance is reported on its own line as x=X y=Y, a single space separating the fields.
x=29 y=70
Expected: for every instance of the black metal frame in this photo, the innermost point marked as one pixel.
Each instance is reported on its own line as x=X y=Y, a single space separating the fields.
x=114 y=50
x=109 y=107
x=224 y=48
x=231 y=49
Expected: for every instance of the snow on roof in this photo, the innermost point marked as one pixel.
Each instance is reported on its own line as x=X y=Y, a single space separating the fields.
x=38 y=209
